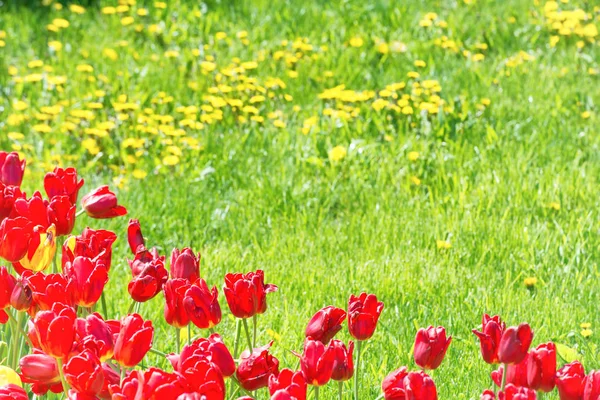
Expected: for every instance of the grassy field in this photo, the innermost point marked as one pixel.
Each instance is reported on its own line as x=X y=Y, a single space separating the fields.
x=460 y=158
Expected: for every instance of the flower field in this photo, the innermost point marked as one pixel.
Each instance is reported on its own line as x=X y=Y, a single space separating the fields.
x=297 y=200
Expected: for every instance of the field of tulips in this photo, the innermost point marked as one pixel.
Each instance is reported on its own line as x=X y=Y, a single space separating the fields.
x=376 y=200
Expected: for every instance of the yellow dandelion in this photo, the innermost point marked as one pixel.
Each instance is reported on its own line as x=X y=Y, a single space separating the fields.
x=586 y=333
x=420 y=64
x=171 y=160
x=530 y=282
x=126 y=21
x=356 y=41
x=413 y=156
x=443 y=244
x=77 y=9
x=338 y=153
x=554 y=205
x=585 y=325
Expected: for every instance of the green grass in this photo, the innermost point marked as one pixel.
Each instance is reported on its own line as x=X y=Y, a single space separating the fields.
x=258 y=196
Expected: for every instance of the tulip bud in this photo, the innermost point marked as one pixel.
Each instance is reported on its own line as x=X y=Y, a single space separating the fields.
x=393 y=385
x=541 y=368
x=255 y=368
x=430 y=347
x=134 y=340
x=343 y=366
x=185 y=265
x=363 y=314
x=39 y=368
x=247 y=294
x=569 y=381
x=202 y=305
x=134 y=236
x=419 y=386
x=101 y=203
x=61 y=213
x=514 y=344
x=12 y=169
x=21 y=296
x=489 y=337
x=325 y=324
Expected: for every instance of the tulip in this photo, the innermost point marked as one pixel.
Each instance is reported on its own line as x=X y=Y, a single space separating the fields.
x=512 y=392
x=55 y=330
x=569 y=381
x=15 y=235
x=363 y=314
x=419 y=386
x=202 y=305
x=325 y=324
x=430 y=347
x=514 y=344
x=84 y=373
x=206 y=378
x=488 y=395
x=153 y=384
x=34 y=209
x=489 y=337
x=247 y=294
x=516 y=374
x=317 y=362
x=289 y=383
x=343 y=367
x=255 y=368
x=591 y=386
x=13 y=392
x=91 y=244
x=217 y=353
x=48 y=290
x=40 y=253
x=111 y=377
x=101 y=203
x=87 y=279
x=39 y=368
x=149 y=276
x=134 y=340
x=8 y=196
x=185 y=265
x=9 y=376
x=12 y=168
x=21 y=298
x=63 y=182
x=134 y=236
x=93 y=333
x=541 y=368
x=7 y=285
x=61 y=213
x=175 y=313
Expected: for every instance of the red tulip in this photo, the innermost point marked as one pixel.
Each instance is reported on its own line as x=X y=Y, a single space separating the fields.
x=15 y=235
x=8 y=196
x=63 y=182
x=489 y=337
x=84 y=373
x=325 y=324
x=512 y=392
x=48 y=290
x=41 y=389
x=111 y=377
x=317 y=362
x=247 y=294
x=91 y=244
x=134 y=236
x=569 y=381
x=363 y=314
x=134 y=340
x=343 y=366
x=430 y=348
x=34 y=209
x=12 y=168
x=153 y=384
x=175 y=313
x=288 y=383
x=93 y=333
x=591 y=386
x=202 y=305
x=515 y=374
x=74 y=395
x=55 y=330
x=39 y=368
x=149 y=276
x=87 y=279
x=13 y=392
x=419 y=386
x=393 y=385
x=61 y=213
x=7 y=285
x=101 y=203
x=514 y=344
x=488 y=395
x=206 y=378
x=40 y=252
x=541 y=368
x=255 y=368
x=21 y=298
x=185 y=265
x=217 y=353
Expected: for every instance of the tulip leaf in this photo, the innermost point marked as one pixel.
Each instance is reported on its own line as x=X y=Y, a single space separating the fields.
x=567 y=353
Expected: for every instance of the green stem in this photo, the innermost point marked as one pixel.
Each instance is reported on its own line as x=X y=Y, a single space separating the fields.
x=254 y=318
x=79 y=212
x=212 y=330
x=54 y=263
x=17 y=325
x=503 y=377
x=178 y=339
x=245 y=321
x=237 y=338
x=123 y=373
x=130 y=310
x=65 y=385
x=357 y=368
x=157 y=352
x=189 y=329
x=234 y=392
x=340 y=390
x=234 y=379
x=103 y=300
x=316 y=393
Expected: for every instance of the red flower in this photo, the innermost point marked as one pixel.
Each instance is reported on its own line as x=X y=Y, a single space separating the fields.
x=61 y=213
x=34 y=209
x=134 y=236
x=55 y=330
x=153 y=384
x=63 y=182
x=87 y=279
x=7 y=285
x=512 y=392
x=541 y=368
x=111 y=377
x=48 y=290
x=288 y=383
x=325 y=324
x=8 y=196
x=40 y=252
x=91 y=244
x=202 y=305
x=247 y=294
x=343 y=366
x=101 y=203
x=569 y=381
x=255 y=368
x=393 y=385
x=15 y=235
x=13 y=392
x=430 y=348
x=21 y=298
x=39 y=368
x=515 y=374
x=175 y=313
x=419 y=386
x=217 y=353
x=591 y=386
x=93 y=333
x=514 y=344
x=363 y=314
x=488 y=395
x=149 y=276
x=134 y=340
x=205 y=378
x=84 y=373
x=11 y=168
x=317 y=362
x=489 y=337
x=185 y=265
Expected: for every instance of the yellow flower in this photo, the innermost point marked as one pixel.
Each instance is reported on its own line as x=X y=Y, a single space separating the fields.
x=91 y=146
x=125 y=21
x=586 y=114
x=220 y=35
x=76 y=9
x=413 y=156
x=20 y=105
x=55 y=45
x=170 y=160
x=420 y=64
x=60 y=23
x=110 y=53
x=356 y=41
x=585 y=325
x=139 y=174
x=586 y=333
x=8 y=376
x=554 y=205
x=416 y=181
x=338 y=153
x=44 y=254
x=530 y=282
x=443 y=244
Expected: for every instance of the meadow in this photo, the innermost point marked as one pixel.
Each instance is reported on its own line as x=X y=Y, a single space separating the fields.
x=443 y=155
